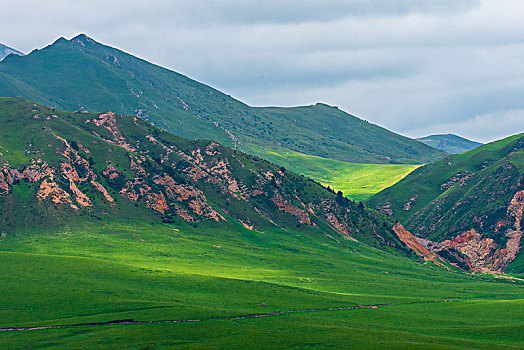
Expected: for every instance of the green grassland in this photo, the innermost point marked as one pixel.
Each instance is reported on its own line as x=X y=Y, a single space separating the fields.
x=356 y=181
x=137 y=270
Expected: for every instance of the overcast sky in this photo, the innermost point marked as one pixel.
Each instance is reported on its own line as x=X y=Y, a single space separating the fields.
x=413 y=66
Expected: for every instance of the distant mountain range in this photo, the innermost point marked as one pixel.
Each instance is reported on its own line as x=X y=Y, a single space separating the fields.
x=6 y=50
x=82 y=74
x=471 y=203
x=449 y=143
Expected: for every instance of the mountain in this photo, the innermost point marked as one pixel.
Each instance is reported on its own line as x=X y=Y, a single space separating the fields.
x=61 y=168
x=449 y=143
x=5 y=50
x=472 y=202
x=82 y=74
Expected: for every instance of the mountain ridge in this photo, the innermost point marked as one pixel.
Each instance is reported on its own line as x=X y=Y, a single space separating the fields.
x=6 y=50
x=97 y=77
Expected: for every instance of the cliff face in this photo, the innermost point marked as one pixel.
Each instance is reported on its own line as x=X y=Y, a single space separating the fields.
x=414 y=244
x=79 y=164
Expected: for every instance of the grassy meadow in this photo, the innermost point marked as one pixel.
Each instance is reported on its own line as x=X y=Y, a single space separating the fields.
x=356 y=181
x=151 y=272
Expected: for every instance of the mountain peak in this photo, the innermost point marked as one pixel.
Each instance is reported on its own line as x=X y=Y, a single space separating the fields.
x=83 y=40
x=59 y=40
x=81 y=36
x=6 y=51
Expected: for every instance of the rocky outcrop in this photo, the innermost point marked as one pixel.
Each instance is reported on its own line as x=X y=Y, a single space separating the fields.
x=459 y=178
x=408 y=204
x=157 y=202
x=301 y=215
x=480 y=251
x=385 y=209
x=109 y=123
x=51 y=189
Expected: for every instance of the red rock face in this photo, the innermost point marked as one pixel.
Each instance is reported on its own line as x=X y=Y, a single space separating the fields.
x=112 y=172
x=103 y=190
x=483 y=253
x=459 y=178
x=157 y=202
x=385 y=209
x=412 y=243
x=52 y=190
x=302 y=215
x=108 y=122
x=408 y=204
x=516 y=209
x=480 y=251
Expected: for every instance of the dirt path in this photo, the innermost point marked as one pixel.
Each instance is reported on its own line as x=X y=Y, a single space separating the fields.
x=269 y=314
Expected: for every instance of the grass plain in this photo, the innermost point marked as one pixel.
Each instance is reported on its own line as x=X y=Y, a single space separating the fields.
x=136 y=270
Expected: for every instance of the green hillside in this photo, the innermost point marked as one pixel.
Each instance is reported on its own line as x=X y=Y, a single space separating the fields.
x=449 y=143
x=61 y=168
x=356 y=181
x=115 y=233
x=475 y=199
x=82 y=74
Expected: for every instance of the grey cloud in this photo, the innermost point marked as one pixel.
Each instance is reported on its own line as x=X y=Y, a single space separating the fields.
x=408 y=65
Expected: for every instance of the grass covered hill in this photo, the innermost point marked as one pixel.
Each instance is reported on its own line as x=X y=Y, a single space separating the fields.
x=473 y=201
x=449 y=143
x=82 y=74
x=60 y=168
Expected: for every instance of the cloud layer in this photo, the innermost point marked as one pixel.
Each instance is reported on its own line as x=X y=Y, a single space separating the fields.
x=414 y=66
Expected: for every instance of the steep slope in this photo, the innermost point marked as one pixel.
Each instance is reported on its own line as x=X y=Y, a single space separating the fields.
x=450 y=143
x=96 y=77
x=472 y=202
x=60 y=168
x=6 y=50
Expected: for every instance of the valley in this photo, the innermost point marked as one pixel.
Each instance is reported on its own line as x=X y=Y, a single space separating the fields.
x=357 y=181
x=137 y=235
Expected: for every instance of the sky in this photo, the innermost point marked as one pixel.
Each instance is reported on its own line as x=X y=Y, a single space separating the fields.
x=416 y=67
